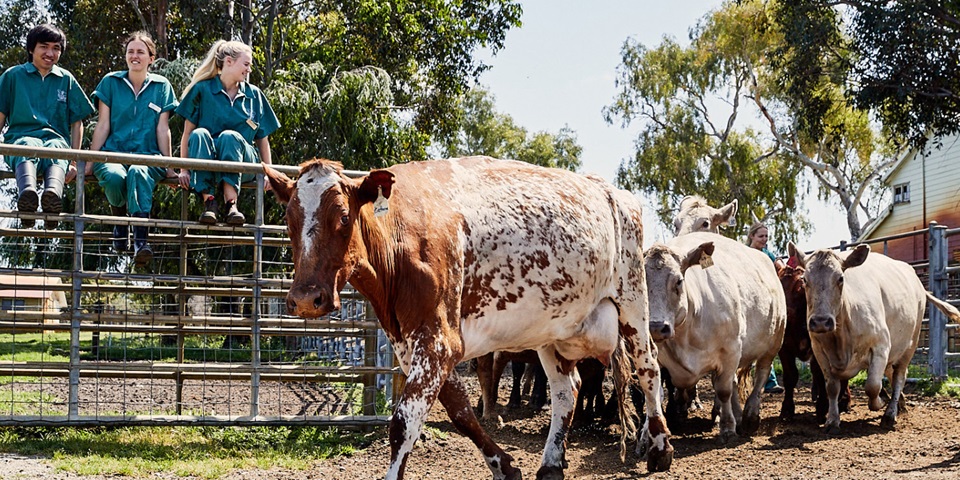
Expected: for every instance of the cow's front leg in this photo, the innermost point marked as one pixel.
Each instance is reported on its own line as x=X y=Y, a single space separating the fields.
x=898 y=377
x=724 y=384
x=874 y=382
x=430 y=364
x=791 y=376
x=832 y=425
x=455 y=400
x=563 y=393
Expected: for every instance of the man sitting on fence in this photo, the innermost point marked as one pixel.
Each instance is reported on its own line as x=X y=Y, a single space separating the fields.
x=44 y=106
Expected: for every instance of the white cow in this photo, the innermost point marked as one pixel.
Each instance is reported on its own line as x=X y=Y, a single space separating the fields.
x=863 y=312
x=695 y=215
x=716 y=305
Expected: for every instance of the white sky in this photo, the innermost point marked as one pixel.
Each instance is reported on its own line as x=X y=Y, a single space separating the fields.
x=559 y=68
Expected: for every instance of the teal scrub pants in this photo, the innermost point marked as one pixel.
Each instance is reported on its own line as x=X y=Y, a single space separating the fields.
x=42 y=163
x=131 y=186
x=228 y=146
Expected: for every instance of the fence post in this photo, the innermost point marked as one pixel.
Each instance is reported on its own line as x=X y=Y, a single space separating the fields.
x=255 y=346
x=370 y=353
x=938 y=285
x=73 y=390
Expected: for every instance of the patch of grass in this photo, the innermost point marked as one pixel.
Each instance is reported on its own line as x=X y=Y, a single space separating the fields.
x=25 y=403
x=201 y=452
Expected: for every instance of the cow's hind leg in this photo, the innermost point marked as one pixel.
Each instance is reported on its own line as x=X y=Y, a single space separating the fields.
x=898 y=378
x=563 y=394
x=430 y=364
x=791 y=376
x=655 y=436
x=455 y=400
x=750 y=420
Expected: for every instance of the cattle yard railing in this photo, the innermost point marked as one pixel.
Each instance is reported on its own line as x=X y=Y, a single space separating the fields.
x=198 y=337
x=939 y=342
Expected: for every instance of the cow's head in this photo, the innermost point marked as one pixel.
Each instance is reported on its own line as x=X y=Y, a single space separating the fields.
x=323 y=210
x=666 y=291
x=696 y=216
x=823 y=281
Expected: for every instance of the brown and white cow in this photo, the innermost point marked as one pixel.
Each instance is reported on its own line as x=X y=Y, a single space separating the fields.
x=864 y=311
x=716 y=305
x=467 y=256
x=695 y=215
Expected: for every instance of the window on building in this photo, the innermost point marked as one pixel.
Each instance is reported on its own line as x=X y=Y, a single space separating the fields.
x=901 y=193
x=13 y=304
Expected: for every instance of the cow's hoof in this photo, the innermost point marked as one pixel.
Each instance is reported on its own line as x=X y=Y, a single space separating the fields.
x=550 y=473
x=832 y=430
x=660 y=460
x=726 y=438
x=749 y=425
x=888 y=422
x=515 y=475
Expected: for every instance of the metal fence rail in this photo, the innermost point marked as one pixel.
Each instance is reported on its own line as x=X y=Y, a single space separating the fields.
x=199 y=343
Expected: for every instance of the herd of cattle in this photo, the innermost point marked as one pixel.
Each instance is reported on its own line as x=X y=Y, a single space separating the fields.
x=464 y=257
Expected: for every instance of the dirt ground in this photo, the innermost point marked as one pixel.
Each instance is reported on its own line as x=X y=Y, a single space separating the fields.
x=926 y=444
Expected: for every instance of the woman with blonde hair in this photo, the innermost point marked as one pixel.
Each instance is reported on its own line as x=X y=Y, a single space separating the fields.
x=135 y=107
x=226 y=118
x=757 y=238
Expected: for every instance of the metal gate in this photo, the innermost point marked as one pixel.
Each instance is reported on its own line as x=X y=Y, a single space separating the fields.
x=197 y=337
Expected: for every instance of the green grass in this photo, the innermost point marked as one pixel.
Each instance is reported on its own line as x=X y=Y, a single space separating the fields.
x=203 y=452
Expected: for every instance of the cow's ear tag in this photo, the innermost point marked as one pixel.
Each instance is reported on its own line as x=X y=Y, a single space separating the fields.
x=381 y=205
x=706 y=261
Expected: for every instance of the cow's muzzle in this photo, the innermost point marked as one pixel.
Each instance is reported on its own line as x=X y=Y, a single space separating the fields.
x=310 y=301
x=661 y=331
x=822 y=324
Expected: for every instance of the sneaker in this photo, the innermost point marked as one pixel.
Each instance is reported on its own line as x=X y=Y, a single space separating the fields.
x=209 y=216
x=143 y=256
x=773 y=389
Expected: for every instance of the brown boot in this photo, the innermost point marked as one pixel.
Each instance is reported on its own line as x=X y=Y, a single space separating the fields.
x=209 y=216
x=234 y=217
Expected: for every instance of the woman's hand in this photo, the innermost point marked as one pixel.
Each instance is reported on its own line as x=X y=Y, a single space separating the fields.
x=184 y=177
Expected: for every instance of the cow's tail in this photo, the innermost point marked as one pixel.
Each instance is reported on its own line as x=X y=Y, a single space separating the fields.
x=949 y=310
x=744 y=384
x=622 y=370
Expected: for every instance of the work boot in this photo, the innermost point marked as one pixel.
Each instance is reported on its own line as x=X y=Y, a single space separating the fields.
x=121 y=233
x=28 y=200
x=52 y=198
x=234 y=217
x=209 y=216
x=142 y=253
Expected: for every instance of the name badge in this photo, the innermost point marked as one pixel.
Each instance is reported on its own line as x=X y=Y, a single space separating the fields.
x=252 y=124
x=154 y=107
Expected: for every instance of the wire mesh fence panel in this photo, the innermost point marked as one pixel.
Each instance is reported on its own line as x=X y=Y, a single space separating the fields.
x=197 y=335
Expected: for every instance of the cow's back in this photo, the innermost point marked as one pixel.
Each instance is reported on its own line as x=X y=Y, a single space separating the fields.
x=526 y=242
x=741 y=286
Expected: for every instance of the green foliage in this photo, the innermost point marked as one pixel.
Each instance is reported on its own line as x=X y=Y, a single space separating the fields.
x=899 y=60
x=481 y=130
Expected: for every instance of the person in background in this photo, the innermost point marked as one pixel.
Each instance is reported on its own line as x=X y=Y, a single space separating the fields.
x=42 y=105
x=134 y=108
x=757 y=238
x=226 y=118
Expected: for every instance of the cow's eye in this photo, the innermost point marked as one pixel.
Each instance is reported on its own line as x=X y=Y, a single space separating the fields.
x=679 y=284
x=344 y=220
x=840 y=282
x=706 y=225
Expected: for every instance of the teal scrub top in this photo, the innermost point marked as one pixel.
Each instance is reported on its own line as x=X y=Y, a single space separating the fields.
x=207 y=106
x=41 y=107
x=134 y=116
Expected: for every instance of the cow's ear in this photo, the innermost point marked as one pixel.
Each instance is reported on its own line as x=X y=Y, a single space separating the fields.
x=378 y=182
x=727 y=214
x=798 y=254
x=281 y=184
x=698 y=256
x=857 y=257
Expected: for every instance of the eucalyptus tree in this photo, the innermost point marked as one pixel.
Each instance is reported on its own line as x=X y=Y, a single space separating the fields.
x=898 y=59
x=482 y=130
x=716 y=121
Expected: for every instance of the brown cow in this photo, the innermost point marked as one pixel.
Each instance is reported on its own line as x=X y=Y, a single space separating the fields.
x=864 y=311
x=467 y=256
